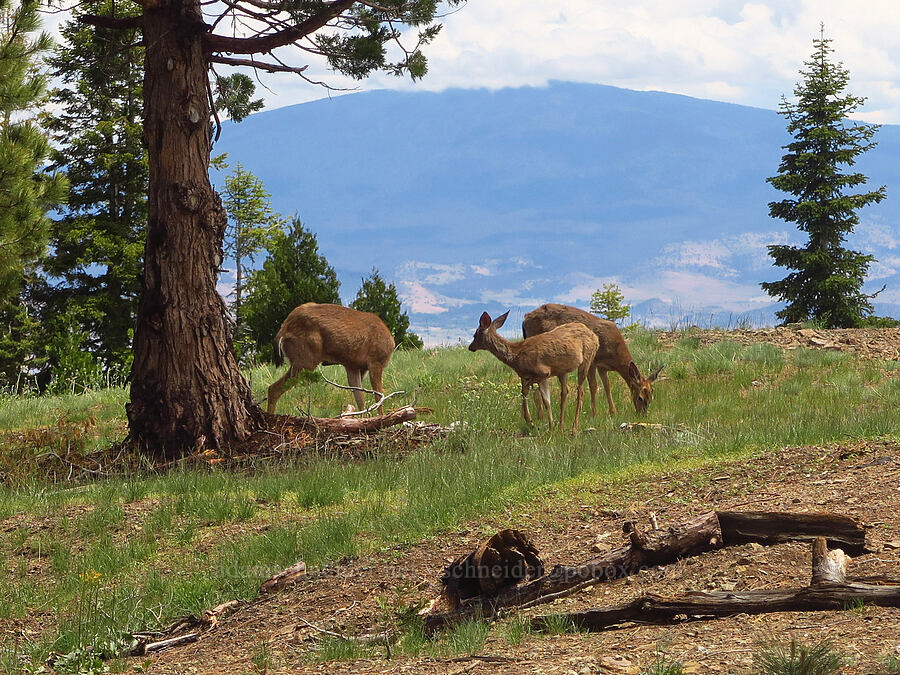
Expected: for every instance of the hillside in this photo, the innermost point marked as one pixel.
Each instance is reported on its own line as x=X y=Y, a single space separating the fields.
x=477 y=199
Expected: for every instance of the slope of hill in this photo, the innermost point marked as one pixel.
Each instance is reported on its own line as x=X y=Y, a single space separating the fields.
x=477 y=199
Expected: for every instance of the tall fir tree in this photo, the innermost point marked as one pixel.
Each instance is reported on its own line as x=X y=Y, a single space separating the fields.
x=27 y=191
x=827 y=283
x=251 y=225
x=294 y=273
x=97 y=247
x=380 y=298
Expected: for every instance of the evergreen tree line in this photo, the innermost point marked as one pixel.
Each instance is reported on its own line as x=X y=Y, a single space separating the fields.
x=70 y=284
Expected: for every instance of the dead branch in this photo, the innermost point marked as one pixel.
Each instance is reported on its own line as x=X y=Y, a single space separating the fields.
x=284 y=578
x=379 y=395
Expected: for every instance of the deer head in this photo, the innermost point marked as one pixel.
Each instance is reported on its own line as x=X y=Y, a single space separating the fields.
x=486 y=327
x=641 y=388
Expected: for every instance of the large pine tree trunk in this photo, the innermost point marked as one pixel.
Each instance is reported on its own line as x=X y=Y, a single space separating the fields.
x=186 y=389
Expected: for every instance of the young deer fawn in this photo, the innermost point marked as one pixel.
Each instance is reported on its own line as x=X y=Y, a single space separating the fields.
x=331 y=334
x=554 y=353
x=612 y=353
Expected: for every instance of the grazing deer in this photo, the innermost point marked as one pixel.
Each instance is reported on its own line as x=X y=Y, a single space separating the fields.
x=554 y=353
x=612 y=353
x=332 y=334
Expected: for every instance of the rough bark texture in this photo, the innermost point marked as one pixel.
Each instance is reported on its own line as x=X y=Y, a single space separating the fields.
x=688 y=539
x=829 y=590
x=706 y=532
x=187 y=390
x=656 y=609
x=768 y=527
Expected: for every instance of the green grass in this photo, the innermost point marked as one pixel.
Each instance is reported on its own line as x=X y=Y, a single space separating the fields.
x=796 y=658
x=134 y=553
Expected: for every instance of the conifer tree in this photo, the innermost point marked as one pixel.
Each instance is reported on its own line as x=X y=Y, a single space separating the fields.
x=187 y=390
x=26 y=190
x=827 y=282
x=294 y=273
x=251 y=225
x=98 y=243
x=379 y=298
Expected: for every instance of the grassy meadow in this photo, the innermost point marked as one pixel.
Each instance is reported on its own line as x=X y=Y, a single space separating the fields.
x=88 y=563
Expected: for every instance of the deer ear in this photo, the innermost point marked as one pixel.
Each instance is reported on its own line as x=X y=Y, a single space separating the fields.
x=485 y=320
x=653 y=377
x=633 y=371
x=500 y=320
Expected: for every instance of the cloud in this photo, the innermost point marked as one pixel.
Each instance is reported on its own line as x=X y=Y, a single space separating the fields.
x=733 y=50
x=421 y=300
x=722 y=255
x=677 y=287
x=435 y=274
x=878 y=235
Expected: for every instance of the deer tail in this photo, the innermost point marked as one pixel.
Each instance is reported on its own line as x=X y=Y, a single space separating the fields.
x=278 y=356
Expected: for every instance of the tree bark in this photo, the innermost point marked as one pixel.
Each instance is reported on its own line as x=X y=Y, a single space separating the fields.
x=656 y=609
x=768 y=527
x=187 y=390
x=829 y=590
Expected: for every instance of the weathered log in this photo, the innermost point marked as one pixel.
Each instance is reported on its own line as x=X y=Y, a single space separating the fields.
x=772 y=527
x=503 y=560
x=647 y=549
x=652 y=608
x=822 y=595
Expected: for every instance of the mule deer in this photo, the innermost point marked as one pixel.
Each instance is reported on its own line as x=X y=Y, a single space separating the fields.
x=554 y=353
x=612 y=353
x=332 y=334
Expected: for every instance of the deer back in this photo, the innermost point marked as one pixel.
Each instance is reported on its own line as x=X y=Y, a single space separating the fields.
x=335 y=334
x=612 y=352
x=560 y=350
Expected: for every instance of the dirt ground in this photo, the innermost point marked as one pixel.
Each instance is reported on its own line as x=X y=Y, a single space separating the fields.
x=859 y=479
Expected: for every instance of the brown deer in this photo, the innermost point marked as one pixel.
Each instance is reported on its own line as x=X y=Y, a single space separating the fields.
x=554 y=353
x=332 y=334
x=612 y=353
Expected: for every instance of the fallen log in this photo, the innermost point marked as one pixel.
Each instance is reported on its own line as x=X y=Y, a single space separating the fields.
x=829 y=590
x=767 y=527
x=645 y=549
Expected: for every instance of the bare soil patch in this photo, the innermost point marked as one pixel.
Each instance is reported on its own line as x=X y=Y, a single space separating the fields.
x=861 y=480
x=870 y=343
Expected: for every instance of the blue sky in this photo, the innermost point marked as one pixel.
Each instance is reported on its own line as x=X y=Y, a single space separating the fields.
x=727 y=50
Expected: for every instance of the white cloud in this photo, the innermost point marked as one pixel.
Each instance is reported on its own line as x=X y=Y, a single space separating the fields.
x=733 y=50
x=421 y=300
x=749 y=248
x=878 y=235
x=435 y=274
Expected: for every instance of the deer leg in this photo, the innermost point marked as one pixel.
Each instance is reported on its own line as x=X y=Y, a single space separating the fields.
x=525 y=413
x=277 y=388
x=579 y=394
x=605 y=380
x=544 y=389
x=538 y=403
x=354 y=379
x=375 y=377
x=592 y=384
x=563 y=393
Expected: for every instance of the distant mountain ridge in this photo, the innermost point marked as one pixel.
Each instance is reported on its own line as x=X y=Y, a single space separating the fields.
x=475 y=200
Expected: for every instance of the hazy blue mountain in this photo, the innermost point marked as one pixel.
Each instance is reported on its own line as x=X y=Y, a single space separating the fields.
x=477 y=200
